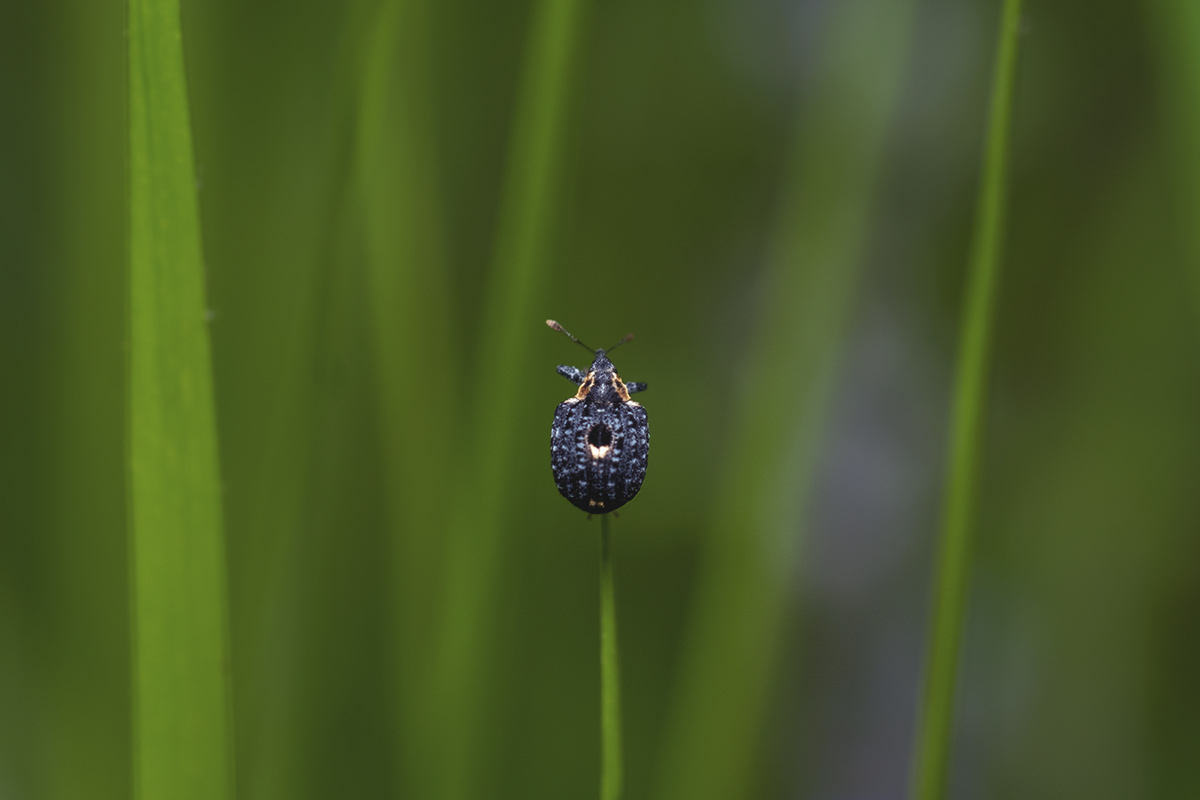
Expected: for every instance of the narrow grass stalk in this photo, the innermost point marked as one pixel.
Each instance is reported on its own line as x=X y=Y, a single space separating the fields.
x=714 y=745
x=935 y=727
x=610 y=674
x=180 y=658
x=474 y=550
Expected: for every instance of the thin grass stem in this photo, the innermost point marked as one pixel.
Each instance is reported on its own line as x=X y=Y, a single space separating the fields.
x=610 y=675
x=935 y=727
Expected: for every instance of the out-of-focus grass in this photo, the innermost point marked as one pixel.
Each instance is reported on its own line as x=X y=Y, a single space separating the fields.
x=533 y=184
x=273 y=121
x=740 y=605
x=936 y=724
x=64 y=646
x=685 y=122
x=1176 y=24
x=399 y=203
x=181 y=696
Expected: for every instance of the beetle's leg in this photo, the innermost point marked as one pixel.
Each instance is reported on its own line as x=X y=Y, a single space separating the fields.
x=632 y=387
x=571 y=373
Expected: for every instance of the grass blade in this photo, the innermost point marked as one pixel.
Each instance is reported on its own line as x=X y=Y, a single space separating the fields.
x=509 y=318
x=1177 y=25
x=179 y=618
x=935 y=726
x=610 y=674
x=730 y=656
x=406 y=271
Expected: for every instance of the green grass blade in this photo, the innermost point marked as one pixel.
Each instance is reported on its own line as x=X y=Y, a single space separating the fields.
x=1177 y=25
x=935 y=727
x=611 y=773
x=714 y=747
x=406 y=272
x=280 y=231
x=181 y=692
x=510 y=317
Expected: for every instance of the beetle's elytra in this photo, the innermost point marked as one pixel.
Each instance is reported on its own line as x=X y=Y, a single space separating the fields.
x=600 y=439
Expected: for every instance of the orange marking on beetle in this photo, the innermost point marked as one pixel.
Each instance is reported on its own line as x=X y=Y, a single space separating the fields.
x=619 y=385
x=586 y=386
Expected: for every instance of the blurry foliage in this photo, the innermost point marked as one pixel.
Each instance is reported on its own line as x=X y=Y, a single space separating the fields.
x=349 y=412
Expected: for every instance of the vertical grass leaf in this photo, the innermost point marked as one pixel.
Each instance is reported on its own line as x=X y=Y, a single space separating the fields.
x=181 y=693
x=729 y=660
x=523 y=238
x=413 y=343
x=1178 y=29
x=935 y=727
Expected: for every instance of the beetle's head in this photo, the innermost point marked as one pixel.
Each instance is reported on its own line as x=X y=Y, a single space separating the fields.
x=603 y=384
x=607 y=386
x=601 y=363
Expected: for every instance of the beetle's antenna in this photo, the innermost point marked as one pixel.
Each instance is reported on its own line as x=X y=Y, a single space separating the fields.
x=570 y=335
x=628 y=338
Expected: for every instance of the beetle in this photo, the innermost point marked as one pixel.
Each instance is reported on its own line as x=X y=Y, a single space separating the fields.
x=600 y=439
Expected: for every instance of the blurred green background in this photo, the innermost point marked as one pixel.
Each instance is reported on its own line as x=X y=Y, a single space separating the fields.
x=776 y=197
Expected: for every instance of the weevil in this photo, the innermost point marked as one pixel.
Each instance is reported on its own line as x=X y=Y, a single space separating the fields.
x=600 y=439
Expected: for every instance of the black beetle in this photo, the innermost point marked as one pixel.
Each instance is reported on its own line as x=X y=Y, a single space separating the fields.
x=600 y=439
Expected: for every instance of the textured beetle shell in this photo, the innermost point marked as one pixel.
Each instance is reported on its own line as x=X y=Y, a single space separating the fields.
x=602 y=473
